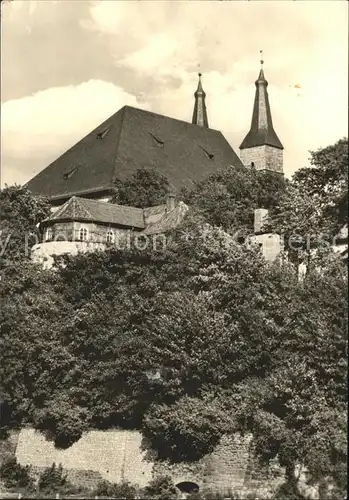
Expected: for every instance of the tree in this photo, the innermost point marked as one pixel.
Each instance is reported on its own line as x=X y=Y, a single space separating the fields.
x=226 y=333
x=145 y=188
x=326 y=181
x=20 y=214
x=314 y=206
x=188 y=429
x=229 y=197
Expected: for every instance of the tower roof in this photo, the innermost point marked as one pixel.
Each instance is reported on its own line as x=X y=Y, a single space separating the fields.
x=262 y=131
x=200 y=112
x=127 y=141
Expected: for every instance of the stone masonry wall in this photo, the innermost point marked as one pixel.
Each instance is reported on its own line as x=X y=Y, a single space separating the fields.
x=264 y=158
x=271 y=245
x=118 y=455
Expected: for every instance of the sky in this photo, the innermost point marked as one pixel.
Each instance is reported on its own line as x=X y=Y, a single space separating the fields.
x=68 y=65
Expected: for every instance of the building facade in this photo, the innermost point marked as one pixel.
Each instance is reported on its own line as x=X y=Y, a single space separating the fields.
x=84 y=225
x=81 y=182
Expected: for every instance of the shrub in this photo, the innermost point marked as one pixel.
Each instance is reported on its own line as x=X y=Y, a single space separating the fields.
x=161 y=488
x=14 y=475
x=122 y=490
x=52 y=479
x=288 y=491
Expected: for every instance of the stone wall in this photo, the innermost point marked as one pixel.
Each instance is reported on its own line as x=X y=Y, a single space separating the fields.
x=260 y=219
x=264 y=158
x=42 y=252
x=118 y=455
x=271 y=245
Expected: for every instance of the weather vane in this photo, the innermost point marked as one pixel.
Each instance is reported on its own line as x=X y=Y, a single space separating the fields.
x=261 y=53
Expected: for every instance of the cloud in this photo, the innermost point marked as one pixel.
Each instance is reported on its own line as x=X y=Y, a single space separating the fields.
x=40 y=127
x=116 y=53
x=304 y=43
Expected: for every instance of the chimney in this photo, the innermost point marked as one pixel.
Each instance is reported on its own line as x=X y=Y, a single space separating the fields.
x=171 y=202
x=260 y=219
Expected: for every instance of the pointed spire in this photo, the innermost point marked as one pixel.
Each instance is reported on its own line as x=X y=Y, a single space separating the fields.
x=200 y=113
x=262 y=131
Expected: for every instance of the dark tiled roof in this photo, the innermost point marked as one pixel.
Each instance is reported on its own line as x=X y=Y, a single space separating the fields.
x=129 y=140
x=258 y=136
x=83 y=209
x=98 y=211
x=169 y=221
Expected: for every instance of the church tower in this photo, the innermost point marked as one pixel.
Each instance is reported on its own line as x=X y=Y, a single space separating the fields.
x=200 y=113
x=261 y=147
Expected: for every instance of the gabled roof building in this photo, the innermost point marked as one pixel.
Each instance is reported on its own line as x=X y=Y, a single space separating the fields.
x=183 y=152
x=83 y=225
x=131 y=139
x=85 y=177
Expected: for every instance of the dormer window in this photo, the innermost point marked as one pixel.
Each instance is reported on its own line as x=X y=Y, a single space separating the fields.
x=49 y=234
x=68 y=174
x=102 y=133
x=209 y=155
x=110 y=236
x=83 y=234
x=158 y=142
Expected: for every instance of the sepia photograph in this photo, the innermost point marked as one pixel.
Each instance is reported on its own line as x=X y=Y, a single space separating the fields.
x=174 y=249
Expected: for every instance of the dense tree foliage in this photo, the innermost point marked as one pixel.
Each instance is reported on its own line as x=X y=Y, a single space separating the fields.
x=314 y=206
x=326 y=181
x=145 y=188
x=20 y=212
x=228 y=198
x=188 y=342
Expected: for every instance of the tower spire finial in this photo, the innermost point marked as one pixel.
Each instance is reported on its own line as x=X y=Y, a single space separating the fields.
x=262 y=61
x=200 y=113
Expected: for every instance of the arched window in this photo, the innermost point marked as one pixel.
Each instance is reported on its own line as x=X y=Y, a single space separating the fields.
x=110 y=236
x=49 y=234
x=83 y=234
x=252 y=163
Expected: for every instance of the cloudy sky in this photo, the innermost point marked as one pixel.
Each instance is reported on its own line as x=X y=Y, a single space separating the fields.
x=68 y=65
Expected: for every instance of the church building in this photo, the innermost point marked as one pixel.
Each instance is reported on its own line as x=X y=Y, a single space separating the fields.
x=81 y=181
x=183 y=152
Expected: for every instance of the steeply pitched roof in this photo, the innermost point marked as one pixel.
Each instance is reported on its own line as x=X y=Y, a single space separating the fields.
x=98 y=211
x=262 y=131
x=129 y=140
x=168 y=221
x=152 y=220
